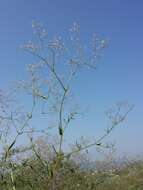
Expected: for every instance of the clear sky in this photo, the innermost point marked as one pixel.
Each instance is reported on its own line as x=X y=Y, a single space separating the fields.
x=119 y=77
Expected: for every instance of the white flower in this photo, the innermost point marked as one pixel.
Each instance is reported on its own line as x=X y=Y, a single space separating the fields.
x=31 y=46
x=57 y=44
x=75 y=27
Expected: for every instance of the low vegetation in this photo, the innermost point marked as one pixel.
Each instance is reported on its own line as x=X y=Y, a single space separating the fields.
x=31 y=175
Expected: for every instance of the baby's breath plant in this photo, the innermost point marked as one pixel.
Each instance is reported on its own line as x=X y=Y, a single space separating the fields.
x=44 y=163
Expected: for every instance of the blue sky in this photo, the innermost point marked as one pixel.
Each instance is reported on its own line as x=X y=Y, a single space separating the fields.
x=119 y=77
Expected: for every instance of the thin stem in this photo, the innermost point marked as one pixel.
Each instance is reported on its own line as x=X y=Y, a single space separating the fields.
x=60 y=119
x=52 y=69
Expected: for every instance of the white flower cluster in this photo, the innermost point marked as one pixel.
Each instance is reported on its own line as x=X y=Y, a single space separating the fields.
x=57 y=44
x=31 y=46
x=39 y=30
x=34 y=67
x=75 y=28
x=97 y=45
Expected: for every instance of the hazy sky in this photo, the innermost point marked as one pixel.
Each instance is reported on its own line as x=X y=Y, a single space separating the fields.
x=119 y=77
